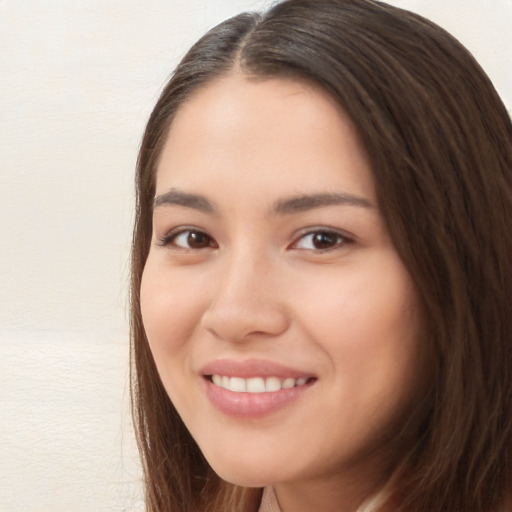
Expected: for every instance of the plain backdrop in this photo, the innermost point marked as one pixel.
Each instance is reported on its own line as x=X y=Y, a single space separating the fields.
x=77 y=82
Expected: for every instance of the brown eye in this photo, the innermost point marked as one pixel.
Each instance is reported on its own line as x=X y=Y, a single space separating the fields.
x=321 y=241
x=324 y=240
x=198 y=240
x=190 y=239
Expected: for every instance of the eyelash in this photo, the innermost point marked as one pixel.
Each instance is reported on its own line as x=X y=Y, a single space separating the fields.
x=170 y=239
x=341 y=239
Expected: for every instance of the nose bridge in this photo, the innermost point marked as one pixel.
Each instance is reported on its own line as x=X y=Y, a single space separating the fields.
x=245 y=300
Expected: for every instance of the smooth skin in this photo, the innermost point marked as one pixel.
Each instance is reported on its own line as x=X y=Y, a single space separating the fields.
x=268 y=244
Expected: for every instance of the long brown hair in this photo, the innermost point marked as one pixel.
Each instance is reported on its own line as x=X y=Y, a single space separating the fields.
x=440 y=143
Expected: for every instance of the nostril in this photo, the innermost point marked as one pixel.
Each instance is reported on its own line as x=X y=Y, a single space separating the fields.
x=240 y=323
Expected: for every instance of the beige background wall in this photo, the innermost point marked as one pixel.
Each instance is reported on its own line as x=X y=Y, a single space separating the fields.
x=77 y=81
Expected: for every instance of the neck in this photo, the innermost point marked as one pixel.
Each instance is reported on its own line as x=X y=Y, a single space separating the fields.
x=330 y=495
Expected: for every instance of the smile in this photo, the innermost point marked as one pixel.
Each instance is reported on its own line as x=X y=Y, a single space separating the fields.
x=254 y=388
x=256 y=384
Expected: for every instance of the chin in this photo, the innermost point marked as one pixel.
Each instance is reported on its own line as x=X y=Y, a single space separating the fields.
x=246 y=473
x=245 y=478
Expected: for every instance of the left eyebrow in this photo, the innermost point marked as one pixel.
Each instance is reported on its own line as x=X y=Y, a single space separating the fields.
x=177 y=197
x=311 y=201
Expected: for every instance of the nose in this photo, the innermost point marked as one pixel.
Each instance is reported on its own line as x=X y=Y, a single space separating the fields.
x=246 y=302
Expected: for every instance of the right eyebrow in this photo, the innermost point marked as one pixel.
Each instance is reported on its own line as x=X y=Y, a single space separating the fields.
x=311 y=201
x=177 y=197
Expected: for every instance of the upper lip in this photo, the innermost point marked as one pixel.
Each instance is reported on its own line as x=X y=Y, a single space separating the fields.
x=253 y=368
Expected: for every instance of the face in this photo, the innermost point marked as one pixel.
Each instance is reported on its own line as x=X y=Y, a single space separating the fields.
x=284 y=326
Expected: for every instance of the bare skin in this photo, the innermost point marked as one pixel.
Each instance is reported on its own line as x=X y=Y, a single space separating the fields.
x=270 y=256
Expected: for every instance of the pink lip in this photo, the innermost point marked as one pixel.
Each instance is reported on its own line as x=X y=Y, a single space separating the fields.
x=252 y=405
x=252 y=368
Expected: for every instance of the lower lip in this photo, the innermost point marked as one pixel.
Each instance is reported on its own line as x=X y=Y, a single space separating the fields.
x=252 y=405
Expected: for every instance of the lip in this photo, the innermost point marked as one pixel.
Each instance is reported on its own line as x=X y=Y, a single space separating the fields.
x=253 y=368
x=246 y=405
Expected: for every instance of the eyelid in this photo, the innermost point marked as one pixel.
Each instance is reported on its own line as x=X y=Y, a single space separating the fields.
x=346 y=239
x=167 y=239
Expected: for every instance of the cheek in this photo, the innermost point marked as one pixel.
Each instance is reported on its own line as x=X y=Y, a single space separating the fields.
x=171 y=315
x=369 y=323
x=170 y=311
x=365 y=305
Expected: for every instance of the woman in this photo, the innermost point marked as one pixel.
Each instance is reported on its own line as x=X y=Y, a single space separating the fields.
x=321 y=270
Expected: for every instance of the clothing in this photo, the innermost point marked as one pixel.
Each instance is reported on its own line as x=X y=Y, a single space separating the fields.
x=269 y=502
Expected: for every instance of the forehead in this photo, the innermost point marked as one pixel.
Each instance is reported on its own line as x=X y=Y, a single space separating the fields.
x=250 y=130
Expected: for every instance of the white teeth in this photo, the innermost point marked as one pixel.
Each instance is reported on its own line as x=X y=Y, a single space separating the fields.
x=272 y=384
x=288 y=383
x=237 y=384
x=256 y=384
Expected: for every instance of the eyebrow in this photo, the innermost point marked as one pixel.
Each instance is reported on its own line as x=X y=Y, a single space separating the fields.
x=281 y=207
x=176 y=197
x=312 y=201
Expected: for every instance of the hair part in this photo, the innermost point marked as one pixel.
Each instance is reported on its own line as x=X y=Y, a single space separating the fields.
x=439 y=141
